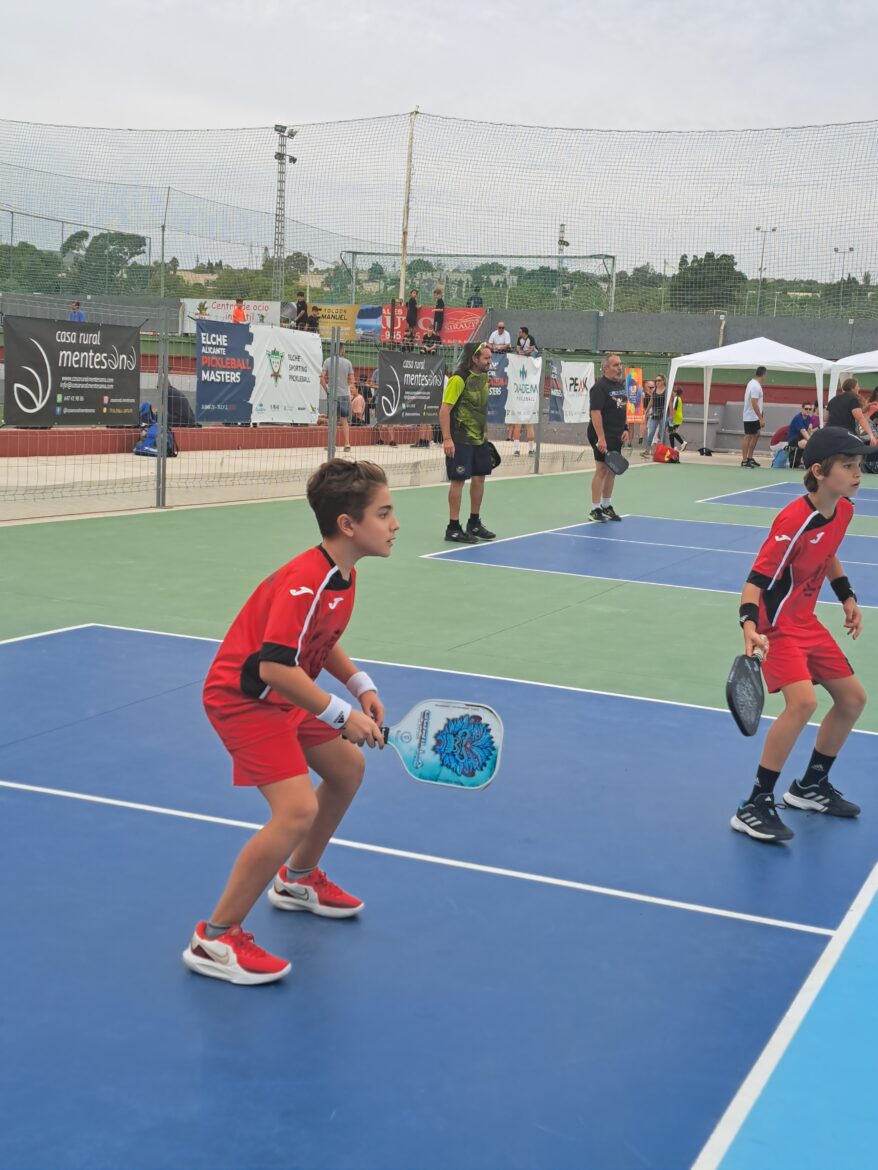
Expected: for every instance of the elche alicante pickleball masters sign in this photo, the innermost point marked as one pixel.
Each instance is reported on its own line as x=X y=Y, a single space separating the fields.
x=71 y=373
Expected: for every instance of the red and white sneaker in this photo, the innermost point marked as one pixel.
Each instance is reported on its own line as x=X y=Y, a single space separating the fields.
x=233 y=956
x=315 y=893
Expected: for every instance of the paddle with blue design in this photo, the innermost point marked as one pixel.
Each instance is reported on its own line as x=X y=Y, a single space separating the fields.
x=444 y=742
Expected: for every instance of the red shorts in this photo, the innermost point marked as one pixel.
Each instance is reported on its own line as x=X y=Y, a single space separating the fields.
x=809 y=655
x=276 y=754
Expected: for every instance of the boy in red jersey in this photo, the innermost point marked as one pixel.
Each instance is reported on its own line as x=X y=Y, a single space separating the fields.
x=777 y=614
x=276 y=722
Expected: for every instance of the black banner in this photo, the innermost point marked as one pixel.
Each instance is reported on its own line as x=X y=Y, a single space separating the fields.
x=410 y=387
x=71 y=373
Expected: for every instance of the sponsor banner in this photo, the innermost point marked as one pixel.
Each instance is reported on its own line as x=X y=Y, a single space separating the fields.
x=574 y=381
x=368 y=326
x=195 y=309
x=523 y=376
x=286 y=369
x=71 y=373
x=223 y=371
x=458 y=327
x=497 y=388
x=342 y=316
x=634 y=390
x=410 y=387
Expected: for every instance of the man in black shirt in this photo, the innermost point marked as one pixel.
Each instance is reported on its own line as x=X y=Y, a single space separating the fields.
x=411 y=313
x=300 y=321
x=312 y=323
x=607 y=431
x=846 y=410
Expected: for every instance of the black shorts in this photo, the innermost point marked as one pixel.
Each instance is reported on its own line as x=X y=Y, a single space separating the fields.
x=614 y=443
x=751 y=426
x=470 y=459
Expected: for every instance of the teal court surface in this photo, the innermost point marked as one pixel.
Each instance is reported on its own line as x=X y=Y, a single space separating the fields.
x=581 y=967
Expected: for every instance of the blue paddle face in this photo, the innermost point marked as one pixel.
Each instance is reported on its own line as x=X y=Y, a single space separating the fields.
x=455 y=744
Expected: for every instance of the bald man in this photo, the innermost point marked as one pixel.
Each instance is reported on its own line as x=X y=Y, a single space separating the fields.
x=607 y=431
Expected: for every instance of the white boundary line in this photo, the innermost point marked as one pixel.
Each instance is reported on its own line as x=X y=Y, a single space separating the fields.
x=46 y=633
x=765 y=488
x=445 y=552
x=736 y=1114
x=452 y=863
x=770 y=489
x=735 y=552
x=522 y=682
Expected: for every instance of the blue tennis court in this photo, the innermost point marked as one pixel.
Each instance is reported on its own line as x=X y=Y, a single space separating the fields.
x=577 y=968
x=684 y=553
x=777 y=495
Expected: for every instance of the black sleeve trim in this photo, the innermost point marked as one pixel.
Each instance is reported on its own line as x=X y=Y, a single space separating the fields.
x=759 y=580
x=275 y=652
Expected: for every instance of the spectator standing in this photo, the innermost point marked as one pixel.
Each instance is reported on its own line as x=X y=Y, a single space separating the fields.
x=411 y=314
x=345 y=385
x=607 y=431
x=655 y=424
x=463 y=417
x=844 y=410
x=754 y=417
x=648 y=391
x=358 y=409
x=76 y=313
x=312 y=323
x=500 y=340
x=438 y=313
x=239 y=316
x=475 y=301
x=675 y=421
x=525 y=346
x=300 y=320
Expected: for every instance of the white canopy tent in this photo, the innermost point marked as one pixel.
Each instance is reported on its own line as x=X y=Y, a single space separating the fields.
x=748 y=355
x=857 y=363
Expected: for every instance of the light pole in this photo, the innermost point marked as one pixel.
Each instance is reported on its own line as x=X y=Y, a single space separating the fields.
x=562 y=244
x=280 y=209
x=765 y=233
x=844 y=252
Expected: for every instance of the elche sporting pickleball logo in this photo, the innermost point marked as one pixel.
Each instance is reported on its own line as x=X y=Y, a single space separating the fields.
x=32 y=399
x=465 y=745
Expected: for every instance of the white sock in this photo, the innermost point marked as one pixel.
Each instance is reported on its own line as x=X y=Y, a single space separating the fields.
x=605 y=503
x=517 y=446
x=530 y=446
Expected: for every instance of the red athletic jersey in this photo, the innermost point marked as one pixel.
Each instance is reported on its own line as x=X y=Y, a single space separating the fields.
x=295 y=616
x=791 y=565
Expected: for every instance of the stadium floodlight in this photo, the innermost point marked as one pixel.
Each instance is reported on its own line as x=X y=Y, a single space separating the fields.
x=279 y=129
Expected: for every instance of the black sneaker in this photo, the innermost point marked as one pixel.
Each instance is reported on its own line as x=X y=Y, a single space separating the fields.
x=611 y=513
x=753 y=463
x=597 y=514
x=758 y=818
x=822 y=798
x=458 y=536
x=480 y=531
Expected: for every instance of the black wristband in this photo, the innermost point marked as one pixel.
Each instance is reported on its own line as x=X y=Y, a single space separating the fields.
x=749 y=612
x=841 y=587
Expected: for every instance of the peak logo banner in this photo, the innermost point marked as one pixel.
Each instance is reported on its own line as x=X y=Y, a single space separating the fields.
x=410 y=387
x=71 y=373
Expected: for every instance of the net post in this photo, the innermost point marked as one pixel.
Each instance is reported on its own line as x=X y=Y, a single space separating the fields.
x=545 y=372
x=404 y=242
x=331 y=395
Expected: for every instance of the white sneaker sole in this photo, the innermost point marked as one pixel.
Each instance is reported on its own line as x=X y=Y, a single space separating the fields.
x=229 y=974
x=287 y=902
x=741 y=827
x=803 y=802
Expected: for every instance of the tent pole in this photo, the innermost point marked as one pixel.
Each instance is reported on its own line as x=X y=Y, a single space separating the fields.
x=708 y=378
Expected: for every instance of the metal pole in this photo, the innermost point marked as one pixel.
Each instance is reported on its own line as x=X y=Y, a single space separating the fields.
x=164 y=224
x=759 y=285
x=545 y=373
x=162 y=440
x=612 y=304
x=353 y=278
x=331 y=396
x=404 y=243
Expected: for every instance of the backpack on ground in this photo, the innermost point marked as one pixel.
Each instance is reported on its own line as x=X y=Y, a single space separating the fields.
x=148 y=445
x=665 y=454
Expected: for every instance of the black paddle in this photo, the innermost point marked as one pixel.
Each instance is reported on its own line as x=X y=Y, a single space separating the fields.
x=744 y=692
x=616 y=462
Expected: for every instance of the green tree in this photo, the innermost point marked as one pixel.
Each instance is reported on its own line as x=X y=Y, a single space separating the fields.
x=704 y=283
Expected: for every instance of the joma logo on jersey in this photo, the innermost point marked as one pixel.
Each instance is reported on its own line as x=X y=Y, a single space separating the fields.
x=817 y=538
x=335 y=601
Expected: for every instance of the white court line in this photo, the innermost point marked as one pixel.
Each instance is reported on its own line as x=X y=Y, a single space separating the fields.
x=763 y=488
x=734 y=1117
x=522 y=682
x=451 y=863
x=46 y=633
x=735 y=552
x=445 y=552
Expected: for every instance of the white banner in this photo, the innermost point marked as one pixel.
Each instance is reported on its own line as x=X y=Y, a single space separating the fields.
x=286 y=370
x=194 y=309
x=523 y=375
x=577 y=379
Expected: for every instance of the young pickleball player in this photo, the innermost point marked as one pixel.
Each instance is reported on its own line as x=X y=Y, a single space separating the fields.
x=777 y=617
x=277 y=722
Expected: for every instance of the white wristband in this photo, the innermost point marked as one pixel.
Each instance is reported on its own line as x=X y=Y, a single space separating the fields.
x=359 y=683
x=337 y=712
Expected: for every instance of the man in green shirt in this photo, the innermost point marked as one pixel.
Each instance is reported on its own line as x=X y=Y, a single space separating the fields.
x=463 y=418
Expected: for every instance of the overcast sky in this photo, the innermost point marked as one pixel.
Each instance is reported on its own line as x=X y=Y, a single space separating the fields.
x=677 y=64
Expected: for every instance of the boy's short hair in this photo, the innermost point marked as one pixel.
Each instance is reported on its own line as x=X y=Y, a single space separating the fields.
x=760 y=370
x=343 y=487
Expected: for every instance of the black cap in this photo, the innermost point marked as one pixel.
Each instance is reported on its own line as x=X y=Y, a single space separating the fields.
x=831 y=441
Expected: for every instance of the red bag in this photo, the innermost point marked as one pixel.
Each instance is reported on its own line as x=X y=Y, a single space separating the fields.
x=663 y=454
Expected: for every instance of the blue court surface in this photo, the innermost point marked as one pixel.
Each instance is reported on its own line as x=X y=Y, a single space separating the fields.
x=576 y=969
x=777 y=495
x=686 y=553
